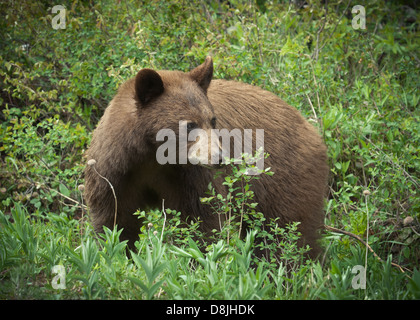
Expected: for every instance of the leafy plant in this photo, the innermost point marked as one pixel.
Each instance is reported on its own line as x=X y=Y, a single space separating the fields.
x=152 y=266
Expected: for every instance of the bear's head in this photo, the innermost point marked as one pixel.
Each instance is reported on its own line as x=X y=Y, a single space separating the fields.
x=180 y=118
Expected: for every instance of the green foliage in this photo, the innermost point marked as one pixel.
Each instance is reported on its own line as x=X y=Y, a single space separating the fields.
x=235 y=206
x=237 y=212
x=152 y=267
x=167 y=226
x=360 y=87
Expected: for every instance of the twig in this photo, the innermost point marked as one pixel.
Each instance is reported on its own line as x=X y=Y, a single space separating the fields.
x=315 y=54
x=81 y=188
x=64 y=196
x=164 y=221
x=330 y=35
x=378 y=150
x=366 y=194
x=315 y=115
x=332 y=229
x=92 y=163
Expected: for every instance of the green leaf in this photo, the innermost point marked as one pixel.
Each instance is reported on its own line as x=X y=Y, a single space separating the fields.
x=63 y=189
x=139 y=283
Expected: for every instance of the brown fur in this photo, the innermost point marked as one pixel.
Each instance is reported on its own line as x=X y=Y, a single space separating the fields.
x=124 y=147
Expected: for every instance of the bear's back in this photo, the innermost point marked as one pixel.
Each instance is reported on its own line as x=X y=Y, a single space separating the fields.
x=244 y=106
x=298 y=156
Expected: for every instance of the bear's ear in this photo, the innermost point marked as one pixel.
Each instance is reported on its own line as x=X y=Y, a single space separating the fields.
x=203 y=73
x=149 y=85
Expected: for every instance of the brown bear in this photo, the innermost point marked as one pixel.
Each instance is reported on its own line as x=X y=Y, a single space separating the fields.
x=125 y=144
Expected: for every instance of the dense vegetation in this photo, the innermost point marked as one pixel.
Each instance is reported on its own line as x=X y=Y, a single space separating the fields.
x=359 y=86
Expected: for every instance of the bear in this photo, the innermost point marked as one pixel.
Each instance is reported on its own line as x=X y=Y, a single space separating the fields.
x=124 y=146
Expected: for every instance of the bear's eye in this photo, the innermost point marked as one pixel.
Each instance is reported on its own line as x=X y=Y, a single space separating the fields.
x=213 y=122
x=191 y=126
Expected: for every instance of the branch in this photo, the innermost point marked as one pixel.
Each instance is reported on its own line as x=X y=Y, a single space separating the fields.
x=332 y=229
x=64 y=196
x=92 y=163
